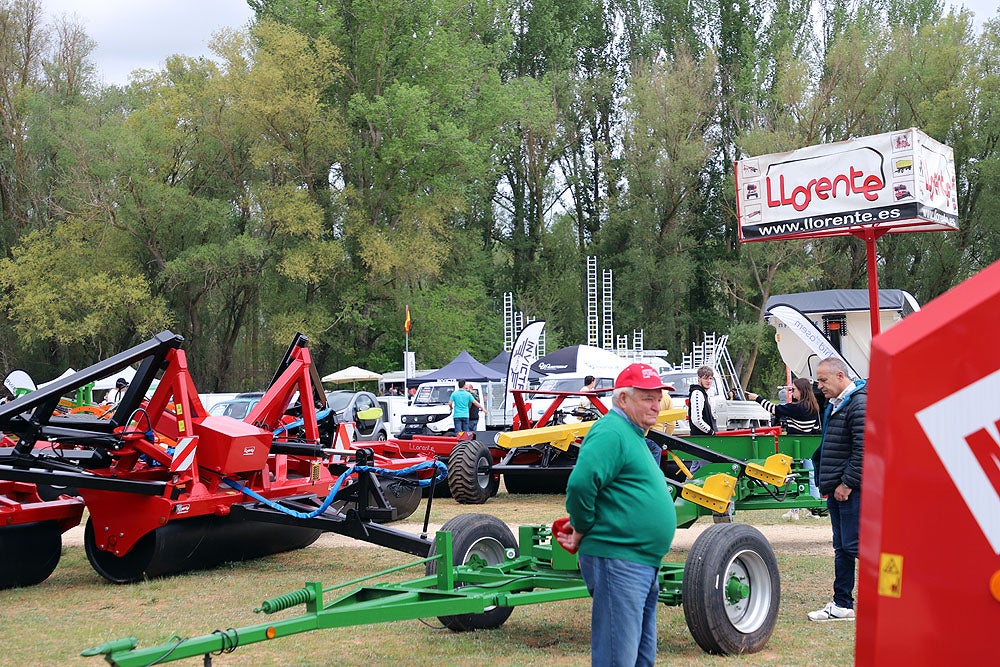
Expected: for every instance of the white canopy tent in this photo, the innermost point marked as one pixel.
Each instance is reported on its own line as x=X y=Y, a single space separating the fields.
x=351 y=374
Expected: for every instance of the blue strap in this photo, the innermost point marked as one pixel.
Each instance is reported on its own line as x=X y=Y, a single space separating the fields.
x=441 y=475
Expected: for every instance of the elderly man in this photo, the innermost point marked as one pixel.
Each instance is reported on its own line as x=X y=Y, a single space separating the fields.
x=838 y=472
x=622 y=521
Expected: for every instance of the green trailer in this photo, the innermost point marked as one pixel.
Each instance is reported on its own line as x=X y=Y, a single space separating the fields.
x=476 y=574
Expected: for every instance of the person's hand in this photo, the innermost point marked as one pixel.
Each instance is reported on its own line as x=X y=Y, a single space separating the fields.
x=566 y=535
x=841 y=493
x=752 y=396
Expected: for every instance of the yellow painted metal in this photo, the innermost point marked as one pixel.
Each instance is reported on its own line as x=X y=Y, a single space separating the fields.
x=680 y=464
x=714 y=494
x=775 y=470
x=671 y=415
x=561 y=436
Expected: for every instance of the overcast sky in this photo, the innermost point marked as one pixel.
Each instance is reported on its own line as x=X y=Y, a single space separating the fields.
x=140 y=34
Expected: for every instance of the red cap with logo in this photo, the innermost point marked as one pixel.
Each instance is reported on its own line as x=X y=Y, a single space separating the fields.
x=640 y=376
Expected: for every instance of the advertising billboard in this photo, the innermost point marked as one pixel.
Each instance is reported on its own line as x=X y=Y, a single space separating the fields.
x=900 y=181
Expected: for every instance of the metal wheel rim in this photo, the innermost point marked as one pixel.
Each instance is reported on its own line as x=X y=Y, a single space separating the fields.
x=483 y=474
x=488 y=548
x=750 y=613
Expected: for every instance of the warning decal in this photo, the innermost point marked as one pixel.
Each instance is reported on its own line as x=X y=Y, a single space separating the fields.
x=890 y=575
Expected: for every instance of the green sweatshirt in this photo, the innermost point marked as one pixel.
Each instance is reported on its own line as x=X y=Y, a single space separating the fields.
x=617 y=496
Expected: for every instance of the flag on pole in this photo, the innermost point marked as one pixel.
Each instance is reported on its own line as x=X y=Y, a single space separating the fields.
x=406 y=323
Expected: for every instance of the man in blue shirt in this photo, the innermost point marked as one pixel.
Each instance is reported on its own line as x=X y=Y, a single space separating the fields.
x=460 y=401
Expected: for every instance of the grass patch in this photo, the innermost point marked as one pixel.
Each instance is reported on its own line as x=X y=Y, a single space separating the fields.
x=75 y=608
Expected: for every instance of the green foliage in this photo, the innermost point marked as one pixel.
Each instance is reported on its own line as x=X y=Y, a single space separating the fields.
x=55 y=288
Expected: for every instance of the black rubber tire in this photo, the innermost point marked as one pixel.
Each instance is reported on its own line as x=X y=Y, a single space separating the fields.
x=551 y=481
x=731 y=589
x=470 y=473
x=441 y=490
x=48 y=492
x=29 y=553
x=489 y=538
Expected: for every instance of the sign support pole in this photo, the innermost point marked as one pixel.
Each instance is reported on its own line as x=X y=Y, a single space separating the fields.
x=870 y=235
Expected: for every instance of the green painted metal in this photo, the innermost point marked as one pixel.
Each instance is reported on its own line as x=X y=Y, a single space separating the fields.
x=751 y=494
x=472 y=588
x=736 y=590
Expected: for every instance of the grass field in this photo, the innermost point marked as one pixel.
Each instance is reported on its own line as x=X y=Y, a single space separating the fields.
x=75 y=609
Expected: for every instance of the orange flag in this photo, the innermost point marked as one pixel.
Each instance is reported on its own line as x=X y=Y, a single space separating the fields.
x=406 y=324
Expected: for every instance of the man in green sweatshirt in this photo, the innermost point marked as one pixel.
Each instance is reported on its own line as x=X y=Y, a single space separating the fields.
x=622 y=521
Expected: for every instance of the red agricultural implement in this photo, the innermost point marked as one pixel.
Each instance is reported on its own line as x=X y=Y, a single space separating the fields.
x=170 y=488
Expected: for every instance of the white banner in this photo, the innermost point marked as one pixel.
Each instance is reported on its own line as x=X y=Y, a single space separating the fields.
x=897 y=181
x=811 y=336
x=409 y=365
x=523 y=354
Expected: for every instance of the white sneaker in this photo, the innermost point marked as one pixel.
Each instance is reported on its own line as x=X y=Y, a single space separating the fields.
x=791 y=515
x=831 y=612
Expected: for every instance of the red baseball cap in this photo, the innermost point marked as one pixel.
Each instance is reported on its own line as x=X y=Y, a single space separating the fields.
x=640 y=376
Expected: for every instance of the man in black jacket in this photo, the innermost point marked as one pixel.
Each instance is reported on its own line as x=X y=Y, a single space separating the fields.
x=838 y=470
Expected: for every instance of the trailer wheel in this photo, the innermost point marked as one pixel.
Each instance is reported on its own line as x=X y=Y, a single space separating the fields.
x=731 y=589
x=470 y=473
x=29 y=553
x=486 y=537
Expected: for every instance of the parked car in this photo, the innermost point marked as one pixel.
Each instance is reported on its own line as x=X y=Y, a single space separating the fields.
x=362 y=408
x=393 y=408
x=239 y=407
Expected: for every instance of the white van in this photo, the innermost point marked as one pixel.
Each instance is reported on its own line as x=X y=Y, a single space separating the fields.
x=393 y=408
x=430 y=414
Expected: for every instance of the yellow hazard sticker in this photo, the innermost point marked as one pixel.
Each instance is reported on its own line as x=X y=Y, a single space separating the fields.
x=890 y=575
x=179 y=409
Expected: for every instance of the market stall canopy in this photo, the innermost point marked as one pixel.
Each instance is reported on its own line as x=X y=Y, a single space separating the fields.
x=581 y=360
x=351 y=374
x=465 y=367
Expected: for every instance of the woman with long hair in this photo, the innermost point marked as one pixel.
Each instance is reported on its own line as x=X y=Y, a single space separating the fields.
x=801 y=416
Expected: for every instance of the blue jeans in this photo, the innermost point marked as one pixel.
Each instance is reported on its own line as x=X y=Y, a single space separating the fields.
x=461 y=424
x=623 y=616
x=655 y=450
x=845 y=518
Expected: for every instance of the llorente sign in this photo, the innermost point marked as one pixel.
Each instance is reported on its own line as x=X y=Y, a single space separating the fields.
x=897 y=181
